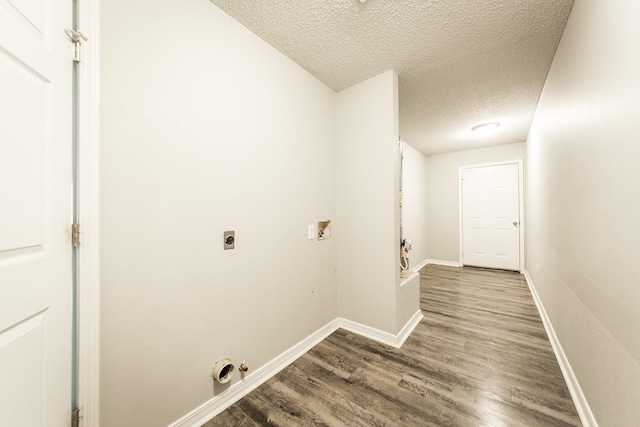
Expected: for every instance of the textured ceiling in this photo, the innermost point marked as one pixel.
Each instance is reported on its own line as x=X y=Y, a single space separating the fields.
x=459 y=62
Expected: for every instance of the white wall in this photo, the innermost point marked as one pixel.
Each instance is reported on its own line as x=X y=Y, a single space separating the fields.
x=368 y=176
x=414 y=203
x=443 y=198
x=583 y=204
x=205 y=128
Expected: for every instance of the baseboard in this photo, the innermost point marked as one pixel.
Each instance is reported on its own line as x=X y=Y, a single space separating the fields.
x=579 y=400
x=217 y=404
x=395 y=341
x=409 y=327
x=441 y=262
x=419 y=266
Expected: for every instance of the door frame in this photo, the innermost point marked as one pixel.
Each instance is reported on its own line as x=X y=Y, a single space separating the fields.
x=520 y=163
x=89 y=198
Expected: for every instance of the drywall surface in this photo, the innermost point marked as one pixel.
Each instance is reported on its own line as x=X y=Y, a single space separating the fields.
x=367 y=228
x=443 y=202
x=205 y=128
x=583 y=204
x=414 y=203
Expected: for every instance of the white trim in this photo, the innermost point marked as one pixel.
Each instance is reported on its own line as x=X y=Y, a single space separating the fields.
x=395 y=341
x=419 y=266
x=521 y=206
x=408 y=328
x=88 y=194
x=442 y=262
x=484 y=165
x=460 y=242
x=237 y=391
x=579 y=400
x=520 y=164
x=408 y=278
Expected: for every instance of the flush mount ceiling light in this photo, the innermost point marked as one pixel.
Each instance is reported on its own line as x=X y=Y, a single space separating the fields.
x=485 y=128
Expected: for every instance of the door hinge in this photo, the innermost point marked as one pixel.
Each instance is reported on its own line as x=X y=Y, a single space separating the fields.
x=75 y=235
x=76 y=38
x=75 y=418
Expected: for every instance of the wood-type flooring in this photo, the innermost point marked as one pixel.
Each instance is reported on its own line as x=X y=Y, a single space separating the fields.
x=479 y=357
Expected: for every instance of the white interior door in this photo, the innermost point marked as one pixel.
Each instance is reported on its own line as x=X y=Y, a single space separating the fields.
x=35 y=213
x=491 y=216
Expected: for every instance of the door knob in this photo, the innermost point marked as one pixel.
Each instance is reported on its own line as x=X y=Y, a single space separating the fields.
x=515 y=223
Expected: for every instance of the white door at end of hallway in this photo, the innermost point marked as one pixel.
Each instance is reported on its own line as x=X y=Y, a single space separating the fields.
x=491 y=216
x=35 y=213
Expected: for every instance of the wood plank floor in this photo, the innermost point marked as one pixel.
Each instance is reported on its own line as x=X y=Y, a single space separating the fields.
x=480 y=357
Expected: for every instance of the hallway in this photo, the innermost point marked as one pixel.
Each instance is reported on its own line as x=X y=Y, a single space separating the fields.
x=480 y=356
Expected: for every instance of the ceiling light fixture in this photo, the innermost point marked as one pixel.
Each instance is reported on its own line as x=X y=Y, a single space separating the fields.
x=486 y=128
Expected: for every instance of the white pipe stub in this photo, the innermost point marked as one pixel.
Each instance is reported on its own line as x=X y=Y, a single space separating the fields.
x=223 y=370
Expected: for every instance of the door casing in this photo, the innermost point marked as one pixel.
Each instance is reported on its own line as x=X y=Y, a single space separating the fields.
x=89 y=195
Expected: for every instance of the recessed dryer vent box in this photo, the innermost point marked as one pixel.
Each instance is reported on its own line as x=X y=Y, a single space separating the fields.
x=324 y=230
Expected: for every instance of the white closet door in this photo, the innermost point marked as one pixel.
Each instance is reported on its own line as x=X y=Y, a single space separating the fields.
x=491 y=217
x=35 y=213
